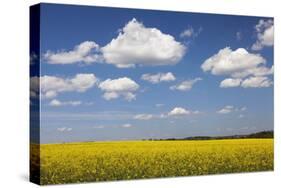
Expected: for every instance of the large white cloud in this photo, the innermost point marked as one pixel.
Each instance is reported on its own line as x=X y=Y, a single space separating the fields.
x=185 y=85
x=137 y=44
x=159 y=77
x=265 y=34
x=238 y=65
x=86 y=52
x=50 y=86
x=116 y=88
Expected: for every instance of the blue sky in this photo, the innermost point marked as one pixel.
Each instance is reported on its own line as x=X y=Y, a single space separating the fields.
x=119 y=74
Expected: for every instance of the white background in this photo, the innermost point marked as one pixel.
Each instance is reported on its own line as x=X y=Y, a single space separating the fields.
x=14 y=99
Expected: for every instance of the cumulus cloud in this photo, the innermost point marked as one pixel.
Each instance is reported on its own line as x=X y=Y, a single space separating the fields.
x=52 y=85
x=137 y=44
x=159 y=77
x=121 y=87
x=56 y=103
x=185 y=85
x=86 y=52
x=230 y=82
x=143 y=116
x=238 y=64
x=265 y=34
x=179 y=111
x=257 y=82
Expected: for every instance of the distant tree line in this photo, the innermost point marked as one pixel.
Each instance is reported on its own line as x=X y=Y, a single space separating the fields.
x=262 y=134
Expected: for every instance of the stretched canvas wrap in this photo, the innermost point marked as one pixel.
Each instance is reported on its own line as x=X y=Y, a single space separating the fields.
x=122 y=94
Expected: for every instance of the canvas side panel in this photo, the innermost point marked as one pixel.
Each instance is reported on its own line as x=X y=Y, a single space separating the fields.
x=34 y=93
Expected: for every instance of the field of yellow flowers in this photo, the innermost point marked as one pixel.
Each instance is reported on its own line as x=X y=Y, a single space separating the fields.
x=107 y=161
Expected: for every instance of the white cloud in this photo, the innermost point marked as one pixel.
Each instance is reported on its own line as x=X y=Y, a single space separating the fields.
x=127 y=125
x=265 y=34
x=179 y=111
x=64 y=129
x=52 y=85
x=185 y=85
x=159 y=77
x=239 y=65
x=230 y=82
x=190 y=32
x=137 y=44
x=159 y=105
x=187 y=32
x=143 y=116
x=257 y=82
x=229 y=109
x=86 y=52
x=56 y=102
x=116 y=88
x=225 y=110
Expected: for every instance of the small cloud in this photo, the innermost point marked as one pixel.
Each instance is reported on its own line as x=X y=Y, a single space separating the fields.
x=127 y=125
x=225 y=110
x=185 y=85
x=64 y=129
x=143 y=116
x=57 y=103
x=190 y=32
x=230 y=82
x=159 y=77
x=121 y=87
x=159 y=105
x=239 y=35
x=179 y=111
x=229 y=108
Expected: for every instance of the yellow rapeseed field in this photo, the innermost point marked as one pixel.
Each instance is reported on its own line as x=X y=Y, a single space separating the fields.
x=103 y=161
